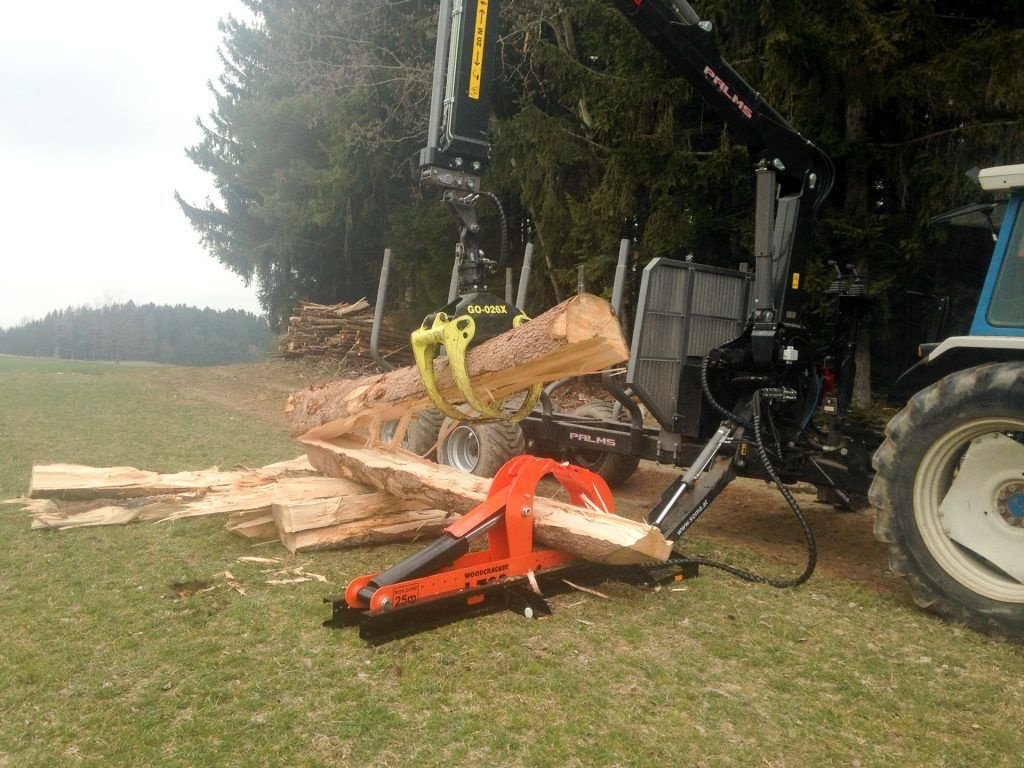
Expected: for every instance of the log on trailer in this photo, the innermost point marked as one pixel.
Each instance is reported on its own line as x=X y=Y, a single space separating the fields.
x=578 y=336
x=590 y=535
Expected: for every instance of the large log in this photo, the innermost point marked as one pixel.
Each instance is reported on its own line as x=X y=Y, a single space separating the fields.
x=578 y=336
x=595 y=536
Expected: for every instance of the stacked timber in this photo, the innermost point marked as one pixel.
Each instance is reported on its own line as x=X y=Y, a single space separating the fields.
x=342 y=331
x=355 y=520
x=367 y=495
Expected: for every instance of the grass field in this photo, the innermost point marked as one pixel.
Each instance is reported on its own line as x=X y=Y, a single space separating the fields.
x=105 y=661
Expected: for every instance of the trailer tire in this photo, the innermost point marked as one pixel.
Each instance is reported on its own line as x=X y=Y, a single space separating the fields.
x=421 y=435
x=918 y=464
x=615 y=468
x=479 y=448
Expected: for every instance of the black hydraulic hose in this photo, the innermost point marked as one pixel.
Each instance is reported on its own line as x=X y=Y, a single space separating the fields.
x=762 y=453
x=721 y=409
x=503 y=224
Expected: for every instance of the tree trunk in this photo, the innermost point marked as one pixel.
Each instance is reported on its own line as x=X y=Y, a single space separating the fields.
x=858 y=202
x=578 y=336
x=596 y=536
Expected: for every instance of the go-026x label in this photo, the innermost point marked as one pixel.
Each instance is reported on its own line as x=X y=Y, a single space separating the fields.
x=487 y=309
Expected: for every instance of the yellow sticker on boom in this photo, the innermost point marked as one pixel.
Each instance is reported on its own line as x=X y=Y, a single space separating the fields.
x=477 y=65
x=796 y=281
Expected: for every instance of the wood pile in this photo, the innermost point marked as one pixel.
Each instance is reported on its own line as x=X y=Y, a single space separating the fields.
x=342 y=331
x=368 y=493
x=289 y=501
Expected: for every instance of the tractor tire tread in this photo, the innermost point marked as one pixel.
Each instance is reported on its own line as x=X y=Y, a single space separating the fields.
x=907 y=437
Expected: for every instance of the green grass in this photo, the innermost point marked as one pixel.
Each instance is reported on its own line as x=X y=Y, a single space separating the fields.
x=102 y=662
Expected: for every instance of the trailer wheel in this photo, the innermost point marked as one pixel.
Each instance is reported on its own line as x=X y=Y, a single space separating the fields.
x=479 y=449
x=615 y=468
x=949 y=487
x=421 y=435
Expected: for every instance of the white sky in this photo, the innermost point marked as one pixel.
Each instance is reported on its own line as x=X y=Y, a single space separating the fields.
x=97 y=104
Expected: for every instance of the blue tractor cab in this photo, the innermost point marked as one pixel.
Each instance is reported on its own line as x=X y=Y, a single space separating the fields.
x=1001 y=305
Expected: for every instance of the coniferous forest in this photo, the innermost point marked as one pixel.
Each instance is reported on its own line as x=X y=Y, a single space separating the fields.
x=322 y=108
x=160 y=334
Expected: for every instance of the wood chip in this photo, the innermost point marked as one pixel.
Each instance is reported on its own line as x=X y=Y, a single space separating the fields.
x=280 y=582
x=588 y=590
x=249 y=559
x=233 y=583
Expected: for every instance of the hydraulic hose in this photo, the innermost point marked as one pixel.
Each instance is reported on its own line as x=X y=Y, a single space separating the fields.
x=762 y=453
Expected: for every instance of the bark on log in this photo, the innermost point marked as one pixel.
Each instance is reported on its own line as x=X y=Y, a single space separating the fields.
x=578 y=336
x=594 y=536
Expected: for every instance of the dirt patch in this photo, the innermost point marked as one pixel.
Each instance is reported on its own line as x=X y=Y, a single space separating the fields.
x=753 y=515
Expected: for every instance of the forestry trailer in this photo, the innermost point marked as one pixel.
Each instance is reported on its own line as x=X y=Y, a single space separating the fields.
x=724 y=360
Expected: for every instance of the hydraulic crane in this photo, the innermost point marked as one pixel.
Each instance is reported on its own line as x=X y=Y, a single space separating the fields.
x=742 y=389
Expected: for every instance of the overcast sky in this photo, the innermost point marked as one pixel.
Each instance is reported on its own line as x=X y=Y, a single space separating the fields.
x=97 y=103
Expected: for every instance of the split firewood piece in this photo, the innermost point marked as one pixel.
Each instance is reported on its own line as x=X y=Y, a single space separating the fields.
x=233 y=582
x=252 y=501
x=252 y=524
x=47 y=513
x=588 y=534
x=578 y=336
x=74 y=481
x=265 y=496
x=370 y=518
x=79 y=482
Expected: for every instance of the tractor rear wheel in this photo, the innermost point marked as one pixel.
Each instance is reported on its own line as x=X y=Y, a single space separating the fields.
x=949 y=487
x=479 y=449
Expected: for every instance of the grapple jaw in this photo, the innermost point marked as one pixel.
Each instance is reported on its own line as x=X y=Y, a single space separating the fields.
x=470 y=319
